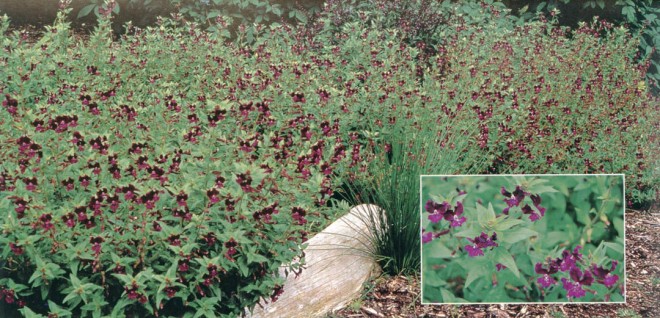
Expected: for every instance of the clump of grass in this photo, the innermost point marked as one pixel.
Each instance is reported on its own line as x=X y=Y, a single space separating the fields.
x=627 y=313
x=393 y=184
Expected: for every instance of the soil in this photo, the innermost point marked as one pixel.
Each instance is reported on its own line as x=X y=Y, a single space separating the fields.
x=400 y=296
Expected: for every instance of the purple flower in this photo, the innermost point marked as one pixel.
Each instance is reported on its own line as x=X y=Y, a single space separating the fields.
x=536 y=199
x=426 y=236
x=499 y=267
x=454 y=216
x=533 y=216
x=513 y=199
x=578 y=279
x=546 y=280
x=604 y=276
x=473 y=250
x=480 y=242
x=569 y=260
x=437 y=210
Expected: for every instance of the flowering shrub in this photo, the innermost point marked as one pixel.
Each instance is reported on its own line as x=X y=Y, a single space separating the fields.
x=522 y=239
x=536 y=112
x=539 y=113
x=143 y=177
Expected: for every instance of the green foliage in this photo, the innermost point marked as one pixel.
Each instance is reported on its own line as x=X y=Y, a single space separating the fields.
x=220 y=16
x=134 y=181
x=642 y=17
x=627 y=313
x=422 y=23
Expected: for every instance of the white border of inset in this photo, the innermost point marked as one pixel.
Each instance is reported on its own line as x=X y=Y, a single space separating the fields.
x=625 y=271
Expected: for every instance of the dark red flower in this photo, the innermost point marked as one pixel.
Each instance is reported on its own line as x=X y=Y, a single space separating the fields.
x=605 y=276
x=298 y=214
x=15 y=248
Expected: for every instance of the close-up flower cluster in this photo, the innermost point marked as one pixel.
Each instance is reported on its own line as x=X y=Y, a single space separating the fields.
x=516 y=199
x=579 y=275
x=512 y=246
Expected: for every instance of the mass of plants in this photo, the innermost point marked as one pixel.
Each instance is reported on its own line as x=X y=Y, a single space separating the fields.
x=171 y=172
x=548 y=238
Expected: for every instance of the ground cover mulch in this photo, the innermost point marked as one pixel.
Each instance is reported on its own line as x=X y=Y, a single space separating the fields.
x=400 y=296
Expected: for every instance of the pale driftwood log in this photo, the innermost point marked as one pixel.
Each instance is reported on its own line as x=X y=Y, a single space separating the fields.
x=338 y=262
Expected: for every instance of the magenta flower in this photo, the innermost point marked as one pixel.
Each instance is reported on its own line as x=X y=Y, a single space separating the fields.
x=96 y=244
x=437 y=210
x=533 y=216
x=473 y=250
x=454 y=216
x=536 y=199
x=514 y=199
x=45 y=220
x=426 y=237
x=480 y=242
x=578 y=279
x=182 y=265
x=546 y=280
x=605 y=276
x=569 y=260
x=170 y=291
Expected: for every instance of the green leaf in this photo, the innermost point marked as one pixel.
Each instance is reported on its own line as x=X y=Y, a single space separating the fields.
x=542 y=189
x=432 y=279
x=506 y=223
x=447 y=296
x=629 y=13
x=75 y=282
x=471 y=233
x=125 y=279
x=473 y=274
x=614 y=246
x=118 y=310
x=502 y=256
x=27 y=313
x=436 y=249
x=256 y=258
x=516 y=235
x=245 y=271
x=523 y=9
x=86 y=10
x=59 y=311
x=541 y=6
x=486 y=216
x=73 y=298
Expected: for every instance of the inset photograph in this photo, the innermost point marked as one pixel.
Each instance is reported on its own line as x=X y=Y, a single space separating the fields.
x=522 y=239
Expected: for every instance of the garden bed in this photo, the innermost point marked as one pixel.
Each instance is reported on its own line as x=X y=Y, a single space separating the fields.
x=149 y=178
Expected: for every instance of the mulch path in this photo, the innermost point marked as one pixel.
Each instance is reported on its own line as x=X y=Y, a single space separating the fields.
x=400 y=296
